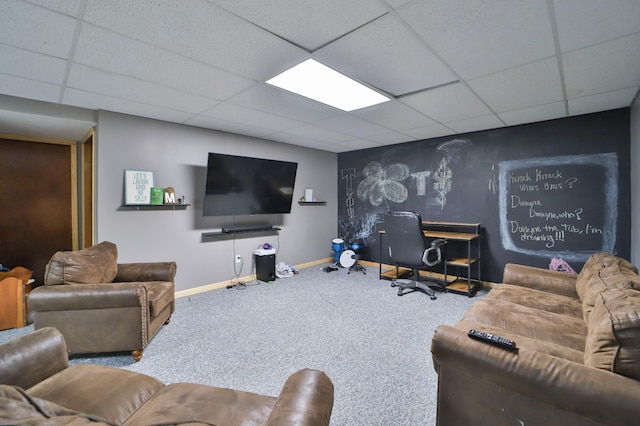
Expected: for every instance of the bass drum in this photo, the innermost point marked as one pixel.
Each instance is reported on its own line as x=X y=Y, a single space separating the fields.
x=347 y=258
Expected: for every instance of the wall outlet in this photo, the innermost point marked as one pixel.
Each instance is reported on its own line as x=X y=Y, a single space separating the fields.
x=238 y=258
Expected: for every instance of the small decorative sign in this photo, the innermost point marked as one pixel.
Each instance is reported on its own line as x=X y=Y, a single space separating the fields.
x=137 y=187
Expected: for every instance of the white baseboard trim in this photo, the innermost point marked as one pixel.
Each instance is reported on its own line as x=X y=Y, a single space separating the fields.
x=224 y=284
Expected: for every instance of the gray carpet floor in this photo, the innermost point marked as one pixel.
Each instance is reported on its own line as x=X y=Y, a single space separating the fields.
x=374 y=345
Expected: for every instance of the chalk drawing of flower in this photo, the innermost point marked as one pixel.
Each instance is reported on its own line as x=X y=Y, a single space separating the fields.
x=381 y=184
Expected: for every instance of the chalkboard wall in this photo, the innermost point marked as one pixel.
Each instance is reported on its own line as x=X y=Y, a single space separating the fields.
x=555 y=189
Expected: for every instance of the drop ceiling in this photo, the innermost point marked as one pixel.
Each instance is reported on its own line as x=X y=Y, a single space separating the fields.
x=450 y=66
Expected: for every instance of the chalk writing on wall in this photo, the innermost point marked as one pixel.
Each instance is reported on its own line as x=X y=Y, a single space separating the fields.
x=347 y=176
x=548 y=206
x=442 y=182
x=383 y=184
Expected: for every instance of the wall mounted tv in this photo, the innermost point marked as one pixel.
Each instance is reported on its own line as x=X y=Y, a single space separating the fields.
x=238 y=185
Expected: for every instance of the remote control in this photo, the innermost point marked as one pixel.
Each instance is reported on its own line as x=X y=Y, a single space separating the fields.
x=491 y=338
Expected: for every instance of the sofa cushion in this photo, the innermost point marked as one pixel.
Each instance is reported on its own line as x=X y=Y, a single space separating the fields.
x=595 y=263
x=531 y=322
x=192 y=403
x=613 y=340
x=543 y=300
x=110 y=393
x=18 y=408
x=92 y=265
x=612 y=277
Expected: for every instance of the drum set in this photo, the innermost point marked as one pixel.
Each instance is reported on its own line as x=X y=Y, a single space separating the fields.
x=346 y=258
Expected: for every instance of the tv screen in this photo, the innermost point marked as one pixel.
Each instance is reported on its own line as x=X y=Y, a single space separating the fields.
x=238 y=185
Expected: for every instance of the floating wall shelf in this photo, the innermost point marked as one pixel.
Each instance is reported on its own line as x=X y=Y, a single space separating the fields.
x=156 y=206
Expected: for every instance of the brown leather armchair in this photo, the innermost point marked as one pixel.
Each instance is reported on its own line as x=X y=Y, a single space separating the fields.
x=100 y=305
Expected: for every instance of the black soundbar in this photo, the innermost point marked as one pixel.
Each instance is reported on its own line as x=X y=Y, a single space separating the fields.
x=254 y=228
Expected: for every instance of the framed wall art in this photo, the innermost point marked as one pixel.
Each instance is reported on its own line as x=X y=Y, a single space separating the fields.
x=137 y=187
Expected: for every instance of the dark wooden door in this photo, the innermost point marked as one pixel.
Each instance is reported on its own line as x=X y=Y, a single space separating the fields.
x=37 y=203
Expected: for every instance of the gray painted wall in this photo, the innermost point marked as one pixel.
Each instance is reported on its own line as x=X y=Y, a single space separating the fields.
x=635 y=182
x=177 y=154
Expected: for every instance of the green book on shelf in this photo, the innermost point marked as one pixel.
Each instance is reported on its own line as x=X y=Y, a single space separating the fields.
x=157 y=195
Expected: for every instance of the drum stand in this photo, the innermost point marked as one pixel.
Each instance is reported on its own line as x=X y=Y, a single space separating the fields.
x=358 y=268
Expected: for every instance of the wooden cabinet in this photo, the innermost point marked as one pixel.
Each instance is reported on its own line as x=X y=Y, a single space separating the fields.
x=13 y=298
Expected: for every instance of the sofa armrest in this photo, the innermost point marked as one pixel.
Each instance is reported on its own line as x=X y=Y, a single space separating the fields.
x=529 y=376
x=306 y=399
x=562 y=283
x=149 y=271
x=70 y=297
x=30 y=359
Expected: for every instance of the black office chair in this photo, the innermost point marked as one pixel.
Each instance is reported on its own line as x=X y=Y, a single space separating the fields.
x=409 y=248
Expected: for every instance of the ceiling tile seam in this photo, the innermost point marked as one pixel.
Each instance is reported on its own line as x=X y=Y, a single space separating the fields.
x=350 y=32
x=446 y=65
x=620 y=37
x=173 y=52
x=260 y=27
x=128 y=100
x=267 y=132
x=426 y=89
x=229 y=98
x=137 y=79
x=82 y=7
x=556 y=44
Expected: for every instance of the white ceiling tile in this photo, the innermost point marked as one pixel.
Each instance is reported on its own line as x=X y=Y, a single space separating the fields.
x=391 y=138
x=301 y=140
x=475 y=124
x=393 y=115
x=200 y=31
x=33 y=28
x=429 y=132
x=528 y=85
x=350 y=125
x=96 y=101
x=479 y=38
x=604 y=67
x=448 y=103
x=582 y=23
x=397 y=3
x=30 y=65
x=304 y=23
x=20 y=123
x=280 y=102
x=354 y=144
x=239 y=114
x=68 y=7
x=388 y=56
x=533 y=114
x=118 y=86
x=107 y=50
x=227 y=126
x=602 y=101
x=318 y=133
x=30 y=89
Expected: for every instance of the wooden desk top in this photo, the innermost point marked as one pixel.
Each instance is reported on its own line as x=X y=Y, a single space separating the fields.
x=427 y=223
x=461 y=236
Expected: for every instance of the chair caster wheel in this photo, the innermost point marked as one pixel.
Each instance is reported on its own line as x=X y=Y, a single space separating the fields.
x=400 y=293
x=393 y=284
x=433 y=298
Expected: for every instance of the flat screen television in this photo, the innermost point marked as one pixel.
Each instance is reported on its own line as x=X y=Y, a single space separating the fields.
x=238 y=185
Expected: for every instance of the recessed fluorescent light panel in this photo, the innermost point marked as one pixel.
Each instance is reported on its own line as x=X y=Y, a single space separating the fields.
x=313 y=80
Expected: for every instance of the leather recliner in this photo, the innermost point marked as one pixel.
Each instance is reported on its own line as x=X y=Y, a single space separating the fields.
x=100 y=305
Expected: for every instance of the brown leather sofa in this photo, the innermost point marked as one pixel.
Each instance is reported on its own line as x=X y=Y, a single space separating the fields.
x=578 y=356
x=100 y=305
x=38 y=387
